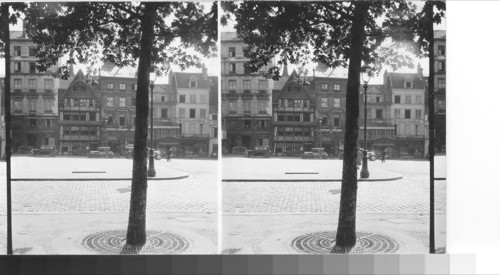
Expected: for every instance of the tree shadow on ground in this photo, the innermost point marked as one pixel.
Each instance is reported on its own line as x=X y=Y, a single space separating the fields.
x=22 y=250
x=131 y=249
x=231 y=251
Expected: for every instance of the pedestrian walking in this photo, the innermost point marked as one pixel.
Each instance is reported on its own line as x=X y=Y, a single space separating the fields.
x=382 y=158
x=169 y=155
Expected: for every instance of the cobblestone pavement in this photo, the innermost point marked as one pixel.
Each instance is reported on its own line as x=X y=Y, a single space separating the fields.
x=409 y=195
x=197 y=193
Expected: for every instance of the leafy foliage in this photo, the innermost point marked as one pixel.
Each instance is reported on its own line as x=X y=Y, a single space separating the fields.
x=90 y=32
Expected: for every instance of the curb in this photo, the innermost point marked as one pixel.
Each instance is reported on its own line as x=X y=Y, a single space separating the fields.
x=310 y=180
x=95 y=179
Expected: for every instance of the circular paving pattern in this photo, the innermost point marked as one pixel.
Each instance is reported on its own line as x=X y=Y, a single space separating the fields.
x=367 y=243
x=114 y=242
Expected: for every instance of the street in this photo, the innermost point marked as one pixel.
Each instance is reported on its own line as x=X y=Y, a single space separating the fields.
x=285 y=210
x=46 y=210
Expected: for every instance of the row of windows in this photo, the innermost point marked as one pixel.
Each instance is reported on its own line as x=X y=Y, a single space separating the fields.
x=247 y=84
x=79 y=102
x=325 y=87
x=192 y=99
x=24 y=67
x=31 y=50
x=294 y=117
x=79 y=116
x=33 y=105
x=247 y=124
x=407 y=114
x=324 y=102
x=122 y=102
x=48 y=84
x=202 y=113
x=247 y=105
x=296 y=103
x=80 y=130
x=121 y=86
x=408 y=99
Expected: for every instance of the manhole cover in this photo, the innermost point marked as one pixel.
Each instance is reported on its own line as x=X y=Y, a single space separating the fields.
x=367 y=243
x=113 y=242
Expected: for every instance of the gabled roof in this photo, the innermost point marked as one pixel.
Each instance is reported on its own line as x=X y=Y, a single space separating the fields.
x=69 y=92
x=17 y=35
x=181 y=80
x=397 y=80
x=440 y=34
x=289 y=81
x=224 y=36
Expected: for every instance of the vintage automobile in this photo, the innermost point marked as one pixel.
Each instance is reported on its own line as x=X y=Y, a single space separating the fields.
x=258 y=151
x=293 y=153
x=370 y=154
x=25 y=149
x=44 y=152
x=315 y=153
x=239 y=150
x=129 y=152
x=102 y=152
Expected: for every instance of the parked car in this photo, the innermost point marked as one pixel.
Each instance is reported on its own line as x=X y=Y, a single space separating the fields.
x=25 y=149
x=102 y=152
x=239 y=150
x=258 y=151
x=315 y=153
x=370 y=154
x=129 y=152
x=79 y=152
x=44 y=152
x=293 y=153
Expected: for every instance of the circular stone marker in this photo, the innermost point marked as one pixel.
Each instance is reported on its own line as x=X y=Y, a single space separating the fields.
x=366 y=243
x=114 y=242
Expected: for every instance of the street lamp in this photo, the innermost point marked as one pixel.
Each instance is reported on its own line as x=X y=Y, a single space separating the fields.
x=105 y=119
x=151 y=168
x=364 y=169
x=320 y=121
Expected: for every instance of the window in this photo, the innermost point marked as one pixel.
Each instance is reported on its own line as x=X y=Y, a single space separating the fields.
x=378 y=99
x=397 y=113
x=17 y=67
x=408 y=99
x=336 y=103
x=17 y=84
x=247 y=104
x=232 y=67
x=32 y=68
x=182 y=98
x=408 y=84
x=203 y=99
x=441 y=66
x=324 y=102
x=336 y=120
x=163 y=98
x=203 y=113
x=232 y=85
x=397 y=99
x=336 y=87
x=123 y=102
x=182 y=113
x=110 y=102
x=418 y=114
x=48 y=84
x=215 y=133
x=123 y=87
x=418 y=99
x=407 y=114
x=110 y=86
x=32 y=85
x=232 y=51
x=441 y=83
x=232 y=105
x=49 y=103
x=262 y=106
x=324 y=87
x=32 y=50
x=133 y=101
x=262 y=85
x=17 y=50
x=134 y=87
x=262 y=124
x=164 y=113
x=247 y=123
x=441 y=50
x=192 y=113
x=378 y=113
x=192 y=98
x=441 y=105
x=17 y=106
x=32 y=105
x=246 y=86
x=192 y=84
x=32 y=123
x=122 y=120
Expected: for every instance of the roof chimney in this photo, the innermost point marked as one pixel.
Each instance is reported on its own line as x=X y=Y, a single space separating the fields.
x=285 y=69
x=204 y=71
x=420 y=72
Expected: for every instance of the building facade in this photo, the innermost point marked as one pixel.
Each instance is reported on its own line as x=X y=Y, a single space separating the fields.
x=246 y=99
x=34 y=103
x=440 y=90
x=80 y=120
x=213 y=112
x=192 y=112
x=2 y=118
x=408 y=113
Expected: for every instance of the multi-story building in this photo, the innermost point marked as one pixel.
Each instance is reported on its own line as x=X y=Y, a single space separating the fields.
x=80 y=120
x=440 y=89
x=2 y=118
x=246 y=99
x=33 y=97
x=380 y=134
x=408 y=113
x=294 y=119
x=192 y=112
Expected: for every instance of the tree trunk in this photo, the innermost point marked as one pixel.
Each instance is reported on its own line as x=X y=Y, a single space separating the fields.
x=346 y=229
x=136 y=231
x=6 y=39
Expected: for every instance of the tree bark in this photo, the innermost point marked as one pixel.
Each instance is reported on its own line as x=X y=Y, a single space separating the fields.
x=346 y=229
x=136 y=231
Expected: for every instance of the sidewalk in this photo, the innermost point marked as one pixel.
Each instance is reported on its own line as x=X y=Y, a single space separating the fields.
x=70 y=169
x=295 y=170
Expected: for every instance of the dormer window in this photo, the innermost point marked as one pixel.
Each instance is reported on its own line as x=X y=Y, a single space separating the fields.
x=193 y=82
x=408 y=84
